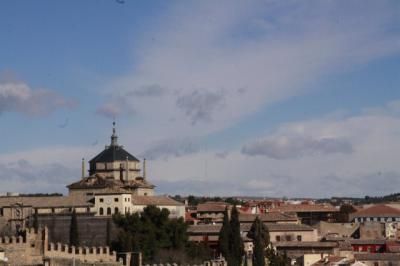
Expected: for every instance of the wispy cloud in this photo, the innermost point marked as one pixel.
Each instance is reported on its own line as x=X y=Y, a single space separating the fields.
x=171 y=148
x=285 y=147
x=219 y=62
x=17 y=96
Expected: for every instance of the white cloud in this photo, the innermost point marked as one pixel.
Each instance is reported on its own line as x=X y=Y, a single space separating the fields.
x=17 y=96
x=218 y=62
x=371 y=168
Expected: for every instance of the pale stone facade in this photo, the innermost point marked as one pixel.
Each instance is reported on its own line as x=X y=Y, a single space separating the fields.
x=34 y=248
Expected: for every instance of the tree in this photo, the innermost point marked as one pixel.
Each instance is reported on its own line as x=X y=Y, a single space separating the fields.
x=344 y=213
x=108 y=232
x=224 y=235
x=236 y=249
x=260 y=236
x=73 y=231
x=152 y=232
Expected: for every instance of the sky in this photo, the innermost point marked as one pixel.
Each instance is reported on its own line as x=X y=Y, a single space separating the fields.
x=229 y=98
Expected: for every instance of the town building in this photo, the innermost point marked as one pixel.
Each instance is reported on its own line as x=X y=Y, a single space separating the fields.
x=376 y=213
x=116 y=184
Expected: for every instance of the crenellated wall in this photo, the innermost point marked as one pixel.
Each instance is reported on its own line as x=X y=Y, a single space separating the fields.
x=24 y=250
x=86 y=254
x=34 y=248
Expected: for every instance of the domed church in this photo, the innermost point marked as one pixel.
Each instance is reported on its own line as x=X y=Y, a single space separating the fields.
x=113 y=169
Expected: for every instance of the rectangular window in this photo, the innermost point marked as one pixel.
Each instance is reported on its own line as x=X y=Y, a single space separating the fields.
x=1 y=212
x=116 y=199
x=278 y=238
x=299 y=238
x=101 y=200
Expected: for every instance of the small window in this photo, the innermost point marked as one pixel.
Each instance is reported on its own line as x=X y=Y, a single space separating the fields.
x=1 y=212
x=145 y=194
x=278 y=238
x=101 y=200
x=101 y=211
x=53 y=210
x=116 y=210
x=108 y=211
x=299 y=238
x=116 y=199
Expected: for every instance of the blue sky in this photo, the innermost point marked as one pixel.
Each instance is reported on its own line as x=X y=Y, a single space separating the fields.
x=271 y=97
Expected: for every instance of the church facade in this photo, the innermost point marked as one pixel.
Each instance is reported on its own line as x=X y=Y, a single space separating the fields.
x=113 y=169
x=116 y=183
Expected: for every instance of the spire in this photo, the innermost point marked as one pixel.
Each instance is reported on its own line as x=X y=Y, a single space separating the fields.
x=83 y=168
x=114 y=137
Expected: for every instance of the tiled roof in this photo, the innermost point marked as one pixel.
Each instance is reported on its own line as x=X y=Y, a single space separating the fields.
x=341 y=229
x=204 y=228
x=202 y=238
x=267 y=217
x=209 y=228
x=155 y=200
x=212 y=206
x=113 y=153
x=274 y=227
x=377 y=256
x=296 y=208
x=98 y=181
x=367 y=241
x=380 y=210
x=43 y=202
x=305 y=244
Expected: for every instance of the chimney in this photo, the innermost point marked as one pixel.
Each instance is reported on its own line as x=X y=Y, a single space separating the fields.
x=83 y=168
x=144 y=168
x=127 y=169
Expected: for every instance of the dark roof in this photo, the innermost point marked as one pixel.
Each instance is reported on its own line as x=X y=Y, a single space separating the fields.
x=305 y=244
x=113 y=153
x=367 y=241
x=266 y=217
x=377 y=256
x=246 y=227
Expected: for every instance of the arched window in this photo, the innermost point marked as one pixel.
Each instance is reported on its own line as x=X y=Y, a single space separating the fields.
x=101 y=211
x=116 y=210
x=108 y=211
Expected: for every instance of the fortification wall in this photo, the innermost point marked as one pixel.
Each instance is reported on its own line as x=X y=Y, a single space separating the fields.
x=92 y=230
x=23 y=250
x=84 y=254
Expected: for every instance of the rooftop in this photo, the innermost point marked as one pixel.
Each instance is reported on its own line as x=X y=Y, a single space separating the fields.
x=379 y=210
x=267 y=217
x=44 y=202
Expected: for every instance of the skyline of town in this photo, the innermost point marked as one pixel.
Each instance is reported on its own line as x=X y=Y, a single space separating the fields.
x=270 y=98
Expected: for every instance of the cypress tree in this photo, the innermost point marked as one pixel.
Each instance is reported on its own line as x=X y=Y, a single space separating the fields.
x=108 y=232
x=224 y=235
x=259 y=242
x=236 y=251
x=73 y=231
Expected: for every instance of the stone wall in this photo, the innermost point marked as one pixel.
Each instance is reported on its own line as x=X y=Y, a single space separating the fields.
x=92 y=230
x=23 y=250
x=34 y=248
x=84 y=254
